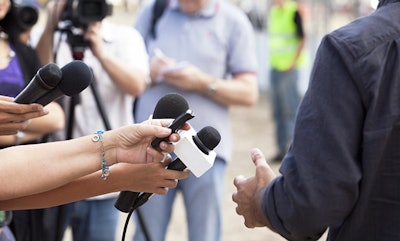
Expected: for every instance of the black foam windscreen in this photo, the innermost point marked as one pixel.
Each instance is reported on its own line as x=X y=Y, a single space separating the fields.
x=44 y=81
x=170 y=106
x=51 y=75
x=209 y=136
x=76 y=77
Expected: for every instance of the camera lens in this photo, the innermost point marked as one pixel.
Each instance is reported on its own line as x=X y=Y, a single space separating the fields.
x=27 y=16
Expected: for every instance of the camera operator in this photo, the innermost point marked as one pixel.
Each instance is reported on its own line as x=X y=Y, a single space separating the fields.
x=119 y=61
x=18 y=64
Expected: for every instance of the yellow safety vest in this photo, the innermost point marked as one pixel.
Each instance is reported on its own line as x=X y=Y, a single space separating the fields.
x=283 y=41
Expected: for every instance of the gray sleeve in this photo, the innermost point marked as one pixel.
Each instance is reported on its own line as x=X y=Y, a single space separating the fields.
x=321 y=172
x=242 y=52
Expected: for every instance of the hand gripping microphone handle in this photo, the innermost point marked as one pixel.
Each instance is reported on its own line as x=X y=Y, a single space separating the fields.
x=126 y=199
x=199 y=156
x=169 y=106
x=174 y=126
x=176 y=165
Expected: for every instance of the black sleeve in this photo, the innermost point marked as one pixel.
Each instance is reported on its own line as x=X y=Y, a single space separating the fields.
x=299 y=23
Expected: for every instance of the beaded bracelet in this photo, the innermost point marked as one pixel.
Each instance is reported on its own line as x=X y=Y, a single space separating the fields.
x=105 y=170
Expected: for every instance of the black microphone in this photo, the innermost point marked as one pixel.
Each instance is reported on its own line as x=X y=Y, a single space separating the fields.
x=46 y=79
x=76 y=76
x=171 y=105
x=202 y=145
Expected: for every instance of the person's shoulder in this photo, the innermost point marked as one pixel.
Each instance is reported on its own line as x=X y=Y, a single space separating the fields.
x=118 y=32
x=366 y=33
x=115 y=29
x=146 y=7
x=230 y=8
x=233 y=14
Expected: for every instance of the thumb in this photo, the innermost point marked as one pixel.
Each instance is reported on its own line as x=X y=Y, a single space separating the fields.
x=258 y=157
x=239 y=179
x=264 y=172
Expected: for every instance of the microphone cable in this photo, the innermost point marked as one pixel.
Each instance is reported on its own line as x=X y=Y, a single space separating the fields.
x=145 y=231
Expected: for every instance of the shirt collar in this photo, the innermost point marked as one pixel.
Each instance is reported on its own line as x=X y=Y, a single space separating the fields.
x=209 y=10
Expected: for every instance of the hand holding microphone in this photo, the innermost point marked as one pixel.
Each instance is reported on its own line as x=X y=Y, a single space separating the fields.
x=169 y=106
x=194 y=151
x=172 y=106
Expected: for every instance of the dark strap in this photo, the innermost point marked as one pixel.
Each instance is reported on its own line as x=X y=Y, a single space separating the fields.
x=158 y=10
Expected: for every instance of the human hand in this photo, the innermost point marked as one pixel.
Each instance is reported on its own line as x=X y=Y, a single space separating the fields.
x=131 y=144
x=150 y=178
x=15 y=117
x=93 y=36
x=188 y=77
x=158 y=64
x=250 y=191
x=54 y=10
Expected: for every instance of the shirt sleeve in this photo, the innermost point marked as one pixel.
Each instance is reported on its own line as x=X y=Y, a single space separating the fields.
x=299 y=23
x=242 y=56
x=320 y=177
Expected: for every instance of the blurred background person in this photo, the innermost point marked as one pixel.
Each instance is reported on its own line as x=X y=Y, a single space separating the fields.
x=286 y=40
x=119 y=61
x=205 y=51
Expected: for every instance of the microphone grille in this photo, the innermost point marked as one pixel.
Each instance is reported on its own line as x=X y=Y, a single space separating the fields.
x=76 y=77
x=170 y=106
x=209 y=136
x=51 y=75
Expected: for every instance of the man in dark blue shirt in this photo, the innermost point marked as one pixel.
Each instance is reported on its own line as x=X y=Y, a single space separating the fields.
x=343 y=168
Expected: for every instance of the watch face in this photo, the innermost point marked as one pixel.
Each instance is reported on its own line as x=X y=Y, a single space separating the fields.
x=5 y=218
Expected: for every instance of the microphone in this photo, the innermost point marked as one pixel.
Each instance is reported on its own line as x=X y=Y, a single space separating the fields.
x=76 y=76
x=171 y=105
x=194 y=151
x=45 y=79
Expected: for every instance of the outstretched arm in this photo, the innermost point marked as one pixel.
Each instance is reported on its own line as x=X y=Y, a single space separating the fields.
x=38 y=168
x=150 y=177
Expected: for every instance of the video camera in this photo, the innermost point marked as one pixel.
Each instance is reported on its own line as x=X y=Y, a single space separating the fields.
x=79 y=14
x=83 y=12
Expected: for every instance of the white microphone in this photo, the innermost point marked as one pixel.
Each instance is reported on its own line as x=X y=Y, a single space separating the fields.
x=194 y=151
